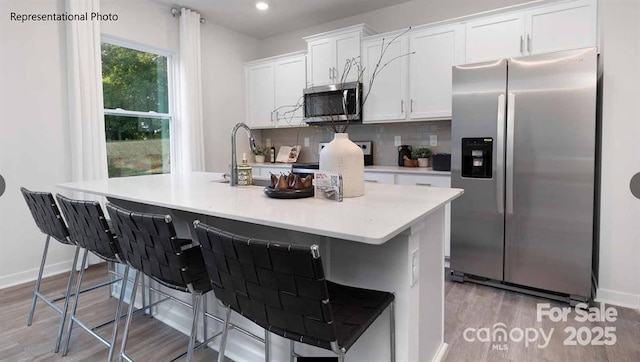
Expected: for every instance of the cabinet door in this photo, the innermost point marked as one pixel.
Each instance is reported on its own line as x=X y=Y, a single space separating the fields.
x=347 y=48
x=321 y=62
x=377 y=177
x=290 y=80
x=260 y=95
x=434 y=51
x=495 y=37
x=386 y=100
x=560 y=27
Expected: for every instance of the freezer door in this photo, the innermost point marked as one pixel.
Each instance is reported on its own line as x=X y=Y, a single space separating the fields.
x=551 y=124
x=477 y=166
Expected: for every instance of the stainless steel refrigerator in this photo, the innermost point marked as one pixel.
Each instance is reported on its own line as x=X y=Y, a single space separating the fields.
x=524 y=150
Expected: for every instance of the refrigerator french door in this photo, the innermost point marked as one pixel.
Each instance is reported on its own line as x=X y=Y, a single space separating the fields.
x=523 y=149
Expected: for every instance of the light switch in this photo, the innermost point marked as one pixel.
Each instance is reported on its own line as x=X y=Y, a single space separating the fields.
x=268 y=142
x=433 y=140
x=306 y=141
x=397 y=141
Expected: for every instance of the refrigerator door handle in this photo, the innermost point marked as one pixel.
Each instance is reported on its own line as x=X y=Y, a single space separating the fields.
x=511 y=120
x=500 y=155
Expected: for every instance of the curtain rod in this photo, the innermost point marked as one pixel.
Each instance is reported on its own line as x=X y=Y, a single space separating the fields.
x=175 y=12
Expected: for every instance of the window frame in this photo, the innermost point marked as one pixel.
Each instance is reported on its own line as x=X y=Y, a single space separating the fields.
x=171 y=95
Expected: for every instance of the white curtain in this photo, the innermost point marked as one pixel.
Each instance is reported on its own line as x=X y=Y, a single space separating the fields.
x=188 y=150
x=84 y=76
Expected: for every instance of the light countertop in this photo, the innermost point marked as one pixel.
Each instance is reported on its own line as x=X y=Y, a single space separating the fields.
x=375 y=168
x=382 y=213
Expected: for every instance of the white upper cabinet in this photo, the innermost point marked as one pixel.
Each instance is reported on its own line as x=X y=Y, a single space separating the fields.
x=260 y=95
x=544 y=29
x=329 y=52
x=386 y=100
x=560 y=27
x=495 y=37
x=434 y=52
x=290 y=75
x=274 y=88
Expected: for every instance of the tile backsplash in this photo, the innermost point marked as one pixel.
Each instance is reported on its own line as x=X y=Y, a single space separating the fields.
x=385 y=153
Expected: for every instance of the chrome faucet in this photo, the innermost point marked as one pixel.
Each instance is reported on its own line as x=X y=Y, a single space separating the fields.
x=234 y=163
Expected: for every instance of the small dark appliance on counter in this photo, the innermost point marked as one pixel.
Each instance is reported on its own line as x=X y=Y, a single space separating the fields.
x=404 y=150
x=441 y=162
x=367 y=149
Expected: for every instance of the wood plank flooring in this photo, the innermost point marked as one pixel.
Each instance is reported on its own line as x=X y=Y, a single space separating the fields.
x=467 y=305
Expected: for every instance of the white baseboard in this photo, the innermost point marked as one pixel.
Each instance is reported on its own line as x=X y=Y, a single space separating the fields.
x=32 y=274
x=618 y=298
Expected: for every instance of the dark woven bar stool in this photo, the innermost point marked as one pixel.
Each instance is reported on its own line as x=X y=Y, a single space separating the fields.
x=149 y=245
x=47 y=216
x=89 y=229
x=282 y=288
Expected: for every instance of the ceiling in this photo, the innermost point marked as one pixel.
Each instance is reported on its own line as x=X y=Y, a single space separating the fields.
x=282 y=16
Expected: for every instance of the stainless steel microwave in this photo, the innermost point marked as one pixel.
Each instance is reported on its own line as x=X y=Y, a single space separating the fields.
x=333 y=103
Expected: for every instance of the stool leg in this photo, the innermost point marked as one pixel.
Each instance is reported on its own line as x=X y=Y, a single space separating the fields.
x=65 y=349
x=125 y=334
x=66 y=300
x=196 y=299
x=292 y=352
x=37 y=288
x=225 y=332
x=204 y=317
x=267 y=342
x=392 y=331
x=116 y=322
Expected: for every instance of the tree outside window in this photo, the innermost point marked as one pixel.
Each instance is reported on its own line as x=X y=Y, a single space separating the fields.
x=137 y=111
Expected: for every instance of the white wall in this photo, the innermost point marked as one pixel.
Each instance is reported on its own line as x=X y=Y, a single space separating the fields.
x=411 y=13
x=620 y=211
x=223 y=55
x=33 y=135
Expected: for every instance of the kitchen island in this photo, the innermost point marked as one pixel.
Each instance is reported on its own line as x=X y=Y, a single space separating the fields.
x=391 y=239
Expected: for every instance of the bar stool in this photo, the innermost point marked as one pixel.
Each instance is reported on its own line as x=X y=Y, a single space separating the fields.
x=47 y=216
x=150 y=246
x=282 y=288
x=89 y=229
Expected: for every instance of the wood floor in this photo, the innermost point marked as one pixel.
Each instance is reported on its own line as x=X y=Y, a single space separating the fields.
x=467 y=305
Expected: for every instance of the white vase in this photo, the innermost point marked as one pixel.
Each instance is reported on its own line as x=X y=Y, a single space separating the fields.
x=343 y=156
x=423 y=162
x=259 y=158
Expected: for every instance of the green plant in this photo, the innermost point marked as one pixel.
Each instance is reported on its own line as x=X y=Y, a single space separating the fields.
x=422 y=152
x=260 y=151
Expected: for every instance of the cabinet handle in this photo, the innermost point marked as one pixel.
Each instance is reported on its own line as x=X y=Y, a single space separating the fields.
x=335 y=73
x=411 y=105
x=372 y=181
x=521 y=44
x=422 y=184
x=402 y=106
x=330 y=73
x=529 y=43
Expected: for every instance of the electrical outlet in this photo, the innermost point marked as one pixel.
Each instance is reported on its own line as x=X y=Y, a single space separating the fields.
x=268 y=142
x=433 y=140
x=397 y=141
x=415 y=266
x=306 y=141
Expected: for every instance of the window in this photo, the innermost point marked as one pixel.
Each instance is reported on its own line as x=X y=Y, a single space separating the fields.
x=137 y=110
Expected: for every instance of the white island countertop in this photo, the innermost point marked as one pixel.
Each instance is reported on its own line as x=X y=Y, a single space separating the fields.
x=382 y=213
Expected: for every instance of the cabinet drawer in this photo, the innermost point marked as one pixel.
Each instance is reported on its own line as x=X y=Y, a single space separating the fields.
x=424 y=180
x=381 y=178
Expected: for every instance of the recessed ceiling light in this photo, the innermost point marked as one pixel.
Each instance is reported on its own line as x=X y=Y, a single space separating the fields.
x=262 y=5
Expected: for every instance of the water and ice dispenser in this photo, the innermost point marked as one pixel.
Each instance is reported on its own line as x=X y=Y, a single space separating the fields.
x=477 y=157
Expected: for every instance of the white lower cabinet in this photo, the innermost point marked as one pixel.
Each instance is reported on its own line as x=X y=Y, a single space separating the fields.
x=435 y=181
x=377 y=177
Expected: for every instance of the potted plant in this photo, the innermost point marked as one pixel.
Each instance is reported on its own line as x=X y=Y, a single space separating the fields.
x=260 y=152
x=422 y=154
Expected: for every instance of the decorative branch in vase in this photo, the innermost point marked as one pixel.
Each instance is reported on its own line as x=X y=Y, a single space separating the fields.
x=341 y=154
